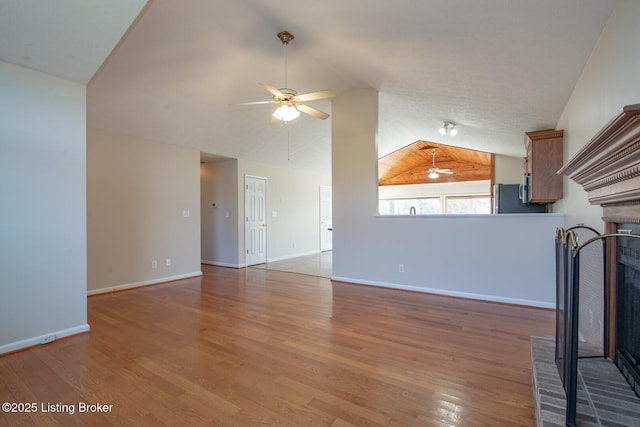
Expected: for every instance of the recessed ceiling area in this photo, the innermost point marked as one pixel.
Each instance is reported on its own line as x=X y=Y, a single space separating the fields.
x=411 y=164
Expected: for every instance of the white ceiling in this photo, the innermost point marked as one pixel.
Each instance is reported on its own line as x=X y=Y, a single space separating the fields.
x=66 y=38
x=498 y=68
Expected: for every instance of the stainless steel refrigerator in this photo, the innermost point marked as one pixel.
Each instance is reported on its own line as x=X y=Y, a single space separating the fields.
x=507 y=199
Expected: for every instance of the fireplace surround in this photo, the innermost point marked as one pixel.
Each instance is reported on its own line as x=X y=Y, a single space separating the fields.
x=608 y=168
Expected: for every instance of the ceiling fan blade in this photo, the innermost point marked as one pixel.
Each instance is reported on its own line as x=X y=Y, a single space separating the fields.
x=312 y=112
x=311 y=96
x=275 y=91
x=447 y=171
x=257 y=103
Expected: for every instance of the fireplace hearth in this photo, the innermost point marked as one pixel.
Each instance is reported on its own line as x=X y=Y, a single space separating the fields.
x=604 y=397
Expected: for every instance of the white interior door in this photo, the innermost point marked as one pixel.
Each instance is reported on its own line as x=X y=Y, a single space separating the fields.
x=255 y=208
x=326 y=222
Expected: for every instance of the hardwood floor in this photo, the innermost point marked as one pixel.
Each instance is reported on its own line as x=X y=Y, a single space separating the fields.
x=259 y=347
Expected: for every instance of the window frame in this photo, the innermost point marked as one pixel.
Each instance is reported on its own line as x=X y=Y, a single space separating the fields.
x=443 y=199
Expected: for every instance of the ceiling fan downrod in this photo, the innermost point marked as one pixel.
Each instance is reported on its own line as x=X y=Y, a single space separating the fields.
x=285 y=37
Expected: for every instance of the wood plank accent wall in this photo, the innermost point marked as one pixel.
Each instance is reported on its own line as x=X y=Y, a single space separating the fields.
x=410 y=164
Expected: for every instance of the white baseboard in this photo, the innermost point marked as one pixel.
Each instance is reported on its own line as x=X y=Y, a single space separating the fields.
x=221 y=264
x=282 y=258
x=43 y=339
x=491 y=298
x=144 y=283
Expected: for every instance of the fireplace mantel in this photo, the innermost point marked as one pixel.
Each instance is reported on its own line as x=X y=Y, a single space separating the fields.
x=608 y=167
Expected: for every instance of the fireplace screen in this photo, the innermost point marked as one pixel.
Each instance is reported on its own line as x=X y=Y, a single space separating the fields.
x=581 y=322
x=590 y=295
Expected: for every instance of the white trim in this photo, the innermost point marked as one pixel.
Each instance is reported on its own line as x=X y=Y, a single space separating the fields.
x=285 y=257
x=43 y=339
x=246 y=175
x=144 y=283
x=221 y=264
x=492 y=298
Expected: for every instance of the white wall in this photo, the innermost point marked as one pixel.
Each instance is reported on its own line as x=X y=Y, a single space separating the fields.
x=294 y=195
x=42 y=208
x=508 y=170
x=608 y=82
x=220 y=232
x=479 y=256
x=139 y=192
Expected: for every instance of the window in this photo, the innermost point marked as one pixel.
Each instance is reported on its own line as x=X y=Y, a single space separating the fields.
x=467 y=198
x=469 y=205
x=422 y=206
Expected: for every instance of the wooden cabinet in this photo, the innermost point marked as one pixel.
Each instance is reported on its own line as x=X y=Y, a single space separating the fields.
x=544 y=159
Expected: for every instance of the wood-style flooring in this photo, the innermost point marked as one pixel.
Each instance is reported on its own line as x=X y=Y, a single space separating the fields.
x=259 y=347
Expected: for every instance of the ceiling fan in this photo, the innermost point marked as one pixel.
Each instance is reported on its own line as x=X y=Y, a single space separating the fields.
x=435 y=172
x=290 y=103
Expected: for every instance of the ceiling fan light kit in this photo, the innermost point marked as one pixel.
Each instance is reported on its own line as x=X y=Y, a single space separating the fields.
x=290 y=104
x=286 y=113
x=448 y=128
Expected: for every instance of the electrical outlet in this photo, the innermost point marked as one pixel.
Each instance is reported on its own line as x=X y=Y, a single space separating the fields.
x=400 y=268
x=167 y=262
x=154 y=264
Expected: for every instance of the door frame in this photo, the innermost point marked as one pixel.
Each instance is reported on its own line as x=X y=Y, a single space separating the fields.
x=329 y=229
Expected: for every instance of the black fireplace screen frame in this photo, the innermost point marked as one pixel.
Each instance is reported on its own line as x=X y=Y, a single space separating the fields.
x=568 y=252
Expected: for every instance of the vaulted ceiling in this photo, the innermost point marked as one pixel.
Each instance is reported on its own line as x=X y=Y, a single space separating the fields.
x=498 y=68
x=411 y=164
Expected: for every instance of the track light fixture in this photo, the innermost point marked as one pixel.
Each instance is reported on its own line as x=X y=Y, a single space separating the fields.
x=448 y=128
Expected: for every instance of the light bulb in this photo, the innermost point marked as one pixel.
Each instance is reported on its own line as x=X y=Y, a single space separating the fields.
x=433 y=175
x=443 y=130
x=286 y=113
x=453 y=131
